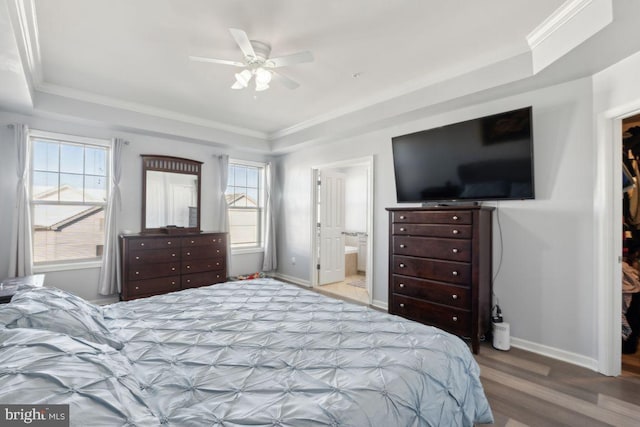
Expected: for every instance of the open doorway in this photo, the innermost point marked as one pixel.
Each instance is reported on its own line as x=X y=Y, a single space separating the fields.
x=342 y=233
x=631 y=243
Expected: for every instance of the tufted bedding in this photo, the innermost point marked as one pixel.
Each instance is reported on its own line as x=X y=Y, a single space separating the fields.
x=246 y=353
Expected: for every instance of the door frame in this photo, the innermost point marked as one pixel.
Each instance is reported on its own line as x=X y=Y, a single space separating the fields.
x=367 y=162
x=608 y=236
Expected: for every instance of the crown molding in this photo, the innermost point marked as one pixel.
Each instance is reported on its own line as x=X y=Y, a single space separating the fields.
x=555 y=21
x=401 y=90
x=23 y=17
x=92 y=98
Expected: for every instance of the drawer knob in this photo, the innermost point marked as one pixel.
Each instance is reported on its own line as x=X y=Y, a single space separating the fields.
x=188 y=280
x=217 y=263
x=217 y=276
x=402 y=217
x=403 y=246
x=173 y=269
x=454 y=318
x=218 y=251
x=141 y=244
x=402 y=285
x=455 y=231
x=402 y=265
x=455 y=273
x=137 y=272
x=173 y=282
x=454 y=296
x=137 y=287
x=137 y=257
x=173 y=254
x=168 y=243
x=188 y=253
x=188 y=267
x=401 y=228
x=401 y=305
x=455 y=217
x=455 y=250
x=192 y=241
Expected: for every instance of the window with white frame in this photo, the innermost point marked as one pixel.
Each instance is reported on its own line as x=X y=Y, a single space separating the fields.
x=69 y=186
x=245 y=197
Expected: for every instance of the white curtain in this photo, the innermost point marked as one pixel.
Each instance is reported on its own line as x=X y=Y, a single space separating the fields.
x=270 y=261
x=109 y=281
x=223 y=211
x=21 y=256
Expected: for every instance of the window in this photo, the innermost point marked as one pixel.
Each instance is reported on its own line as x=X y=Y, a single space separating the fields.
x=69 y=190
x=246 y=201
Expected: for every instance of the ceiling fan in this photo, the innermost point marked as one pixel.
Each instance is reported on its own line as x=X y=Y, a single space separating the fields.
x=257 y=64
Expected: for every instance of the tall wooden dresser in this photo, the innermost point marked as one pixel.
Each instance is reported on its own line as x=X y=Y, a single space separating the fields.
x=440 y=268
x=155 y=264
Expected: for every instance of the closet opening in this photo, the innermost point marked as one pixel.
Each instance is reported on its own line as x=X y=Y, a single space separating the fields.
x=631 y=244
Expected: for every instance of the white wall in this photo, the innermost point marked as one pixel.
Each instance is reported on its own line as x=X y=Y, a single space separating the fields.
x=545 y=283
x=85 y=282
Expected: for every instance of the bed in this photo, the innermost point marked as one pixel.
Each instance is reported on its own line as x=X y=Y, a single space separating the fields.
x=245 y=353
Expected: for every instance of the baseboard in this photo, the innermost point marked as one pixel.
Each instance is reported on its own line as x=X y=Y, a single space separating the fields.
x=380 y=304
x=556 y=353
x=291 y=279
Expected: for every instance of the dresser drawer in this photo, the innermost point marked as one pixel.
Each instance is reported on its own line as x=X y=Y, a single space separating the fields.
x=200 y=252
x=149 y=271
x=444 y=217
x=154 y=255
x=204 y=240
x=450 y=319
x=154 y=286
x=429 y=247
x=444 y=271
x=433 y=230
x=154 y=243
x=440 y=293
x=196 y=266
x=202 y=279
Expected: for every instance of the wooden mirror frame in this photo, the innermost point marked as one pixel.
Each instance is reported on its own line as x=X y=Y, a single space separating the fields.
x=175 y=165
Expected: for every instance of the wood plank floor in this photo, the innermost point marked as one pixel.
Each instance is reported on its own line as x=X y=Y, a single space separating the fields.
x=526 y=389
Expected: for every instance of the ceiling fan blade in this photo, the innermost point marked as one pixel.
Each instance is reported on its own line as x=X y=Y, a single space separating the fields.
x=216 y=61
x=285 y=81
x=295 y=58
x=243 y=42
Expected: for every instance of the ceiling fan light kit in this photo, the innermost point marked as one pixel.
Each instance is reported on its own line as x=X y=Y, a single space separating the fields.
x=257 y=64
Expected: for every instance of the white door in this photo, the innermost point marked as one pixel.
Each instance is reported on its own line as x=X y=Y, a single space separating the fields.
x=332 y=215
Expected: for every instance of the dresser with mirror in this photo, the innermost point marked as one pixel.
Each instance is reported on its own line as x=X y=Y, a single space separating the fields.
x=171 y=252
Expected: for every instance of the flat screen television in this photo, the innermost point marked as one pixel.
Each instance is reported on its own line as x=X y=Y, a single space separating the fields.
x=488 y=158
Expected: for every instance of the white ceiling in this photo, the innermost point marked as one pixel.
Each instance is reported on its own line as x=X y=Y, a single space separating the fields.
x=133 y=55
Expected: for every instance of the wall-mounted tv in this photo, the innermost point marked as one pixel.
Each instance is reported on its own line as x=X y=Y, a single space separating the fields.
x=488 y=158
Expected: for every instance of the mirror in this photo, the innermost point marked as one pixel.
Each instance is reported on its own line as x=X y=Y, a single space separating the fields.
x=170 y=195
